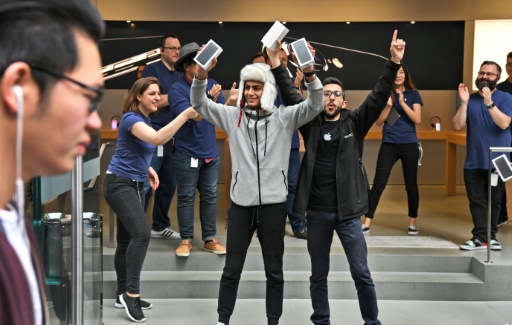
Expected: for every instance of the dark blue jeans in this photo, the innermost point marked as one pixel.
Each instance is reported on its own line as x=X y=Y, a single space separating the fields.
x=476 y=189
x=204 y=178
x=293 y=175
x=126 y=198
x=389 y=154
x=165 y=191
x=321 y=225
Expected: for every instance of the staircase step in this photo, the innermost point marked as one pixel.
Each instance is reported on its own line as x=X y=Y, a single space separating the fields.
x=389 y=285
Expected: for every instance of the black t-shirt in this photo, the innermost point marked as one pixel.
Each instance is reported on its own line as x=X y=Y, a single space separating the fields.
x=505 y=86
x=323 y=188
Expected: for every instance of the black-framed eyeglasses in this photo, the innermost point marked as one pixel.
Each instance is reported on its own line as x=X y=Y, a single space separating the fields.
x=94 y=102
x=172 y=48
x=487 y=74
x=336 y=93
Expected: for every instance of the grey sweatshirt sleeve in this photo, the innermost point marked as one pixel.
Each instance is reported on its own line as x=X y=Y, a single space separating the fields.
x=297 y=115
x=222 y=116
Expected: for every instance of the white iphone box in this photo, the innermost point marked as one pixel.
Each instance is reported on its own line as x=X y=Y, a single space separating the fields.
x=209 y=52
x=276 y=32
x=302 y=53
x=502 y=165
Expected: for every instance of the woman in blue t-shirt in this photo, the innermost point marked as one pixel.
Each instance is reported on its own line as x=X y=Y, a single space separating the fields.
x=399 y=141
x=123 y=187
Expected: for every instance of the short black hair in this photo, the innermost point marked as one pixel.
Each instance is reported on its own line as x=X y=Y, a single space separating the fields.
x=336 y=81
x=42 y=33
x=257 y=55
x=165 y=37
x=509 y=55
x=492 y=63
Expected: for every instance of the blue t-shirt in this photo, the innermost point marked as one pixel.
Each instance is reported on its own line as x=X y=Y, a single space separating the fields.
x=195 y=139
x=404 y=130
x=482 y=132
x=132 y=156
x=505 y=86
x=166 y=78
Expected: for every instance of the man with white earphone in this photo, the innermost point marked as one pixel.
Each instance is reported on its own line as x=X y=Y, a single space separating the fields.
x=47 y=109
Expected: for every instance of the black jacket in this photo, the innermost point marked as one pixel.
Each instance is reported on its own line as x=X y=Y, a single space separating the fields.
x=353 y=189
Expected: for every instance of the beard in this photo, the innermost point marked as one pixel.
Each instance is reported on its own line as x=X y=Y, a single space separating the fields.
x=334 y=114
x=484 y=82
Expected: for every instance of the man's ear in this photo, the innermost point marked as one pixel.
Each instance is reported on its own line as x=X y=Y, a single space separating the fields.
x=12 y=84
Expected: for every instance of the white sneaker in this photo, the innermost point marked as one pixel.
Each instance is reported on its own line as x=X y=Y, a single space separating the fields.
x=166 y=233
x=495 y=245
x=219 y=323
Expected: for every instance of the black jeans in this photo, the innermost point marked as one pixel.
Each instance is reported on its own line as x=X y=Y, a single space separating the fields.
x=126 y=198
x=321 y=225
x=476 y=189
x=389 y=154
x=269 y=221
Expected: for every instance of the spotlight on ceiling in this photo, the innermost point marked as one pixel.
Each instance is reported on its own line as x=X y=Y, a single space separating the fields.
x=337 y=63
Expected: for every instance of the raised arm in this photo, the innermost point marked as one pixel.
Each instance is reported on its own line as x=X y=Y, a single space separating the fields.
x=459 y=120
x=160 y=137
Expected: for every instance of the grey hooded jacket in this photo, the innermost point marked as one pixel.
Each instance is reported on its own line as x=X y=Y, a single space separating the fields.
x=260 y=144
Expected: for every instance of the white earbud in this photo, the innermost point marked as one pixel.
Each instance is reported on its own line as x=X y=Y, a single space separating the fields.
x=18 y=91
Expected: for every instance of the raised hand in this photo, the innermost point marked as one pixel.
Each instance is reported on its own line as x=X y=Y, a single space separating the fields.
x=215 y=91
x=233 y=93
x=463 y=93
x=272 y=55
x=202 y=73
x=313 y=52
x=397 y=48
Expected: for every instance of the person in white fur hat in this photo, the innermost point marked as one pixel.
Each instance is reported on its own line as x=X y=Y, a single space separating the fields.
x=260 y=136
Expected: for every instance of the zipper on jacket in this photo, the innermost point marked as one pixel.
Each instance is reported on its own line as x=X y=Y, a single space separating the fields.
x=236 y=181
x=257 y=154
x=284 y=180
x=362 y=176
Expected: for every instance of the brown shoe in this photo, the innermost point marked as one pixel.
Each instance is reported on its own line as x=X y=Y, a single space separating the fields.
x=215 y=247
x=184 y=248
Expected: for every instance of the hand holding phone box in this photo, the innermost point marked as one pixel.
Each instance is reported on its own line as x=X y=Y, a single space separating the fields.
x=302 y=53
x=502 y=165
x=209 y=52
x=276 y=32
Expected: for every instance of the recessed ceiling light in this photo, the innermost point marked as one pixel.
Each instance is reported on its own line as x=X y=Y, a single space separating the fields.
x=413 y=22
x=128 y=21
x=348 y=22
x=220 y=22
x=284 y=22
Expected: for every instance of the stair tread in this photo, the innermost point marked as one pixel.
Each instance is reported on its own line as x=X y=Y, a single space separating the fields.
x=434 y=277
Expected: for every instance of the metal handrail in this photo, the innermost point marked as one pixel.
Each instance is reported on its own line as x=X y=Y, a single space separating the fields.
x=77 y=196
x=491 y=150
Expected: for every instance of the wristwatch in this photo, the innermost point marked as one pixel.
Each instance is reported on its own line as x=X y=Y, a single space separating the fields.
x=490 y=106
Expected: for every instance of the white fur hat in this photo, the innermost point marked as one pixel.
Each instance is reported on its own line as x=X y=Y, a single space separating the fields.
x=259 y=72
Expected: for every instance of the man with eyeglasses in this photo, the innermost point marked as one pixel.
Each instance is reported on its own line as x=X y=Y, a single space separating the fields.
x=505 y=86
x=161 y=162
x=333 y=189
x=48 y=108
x=487 y=114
